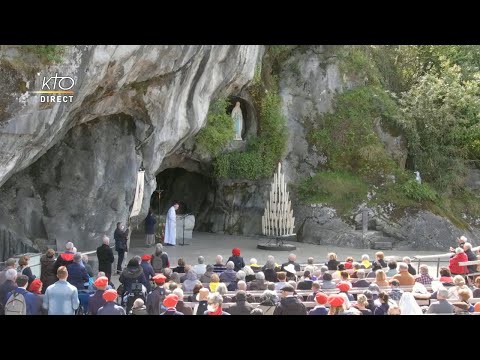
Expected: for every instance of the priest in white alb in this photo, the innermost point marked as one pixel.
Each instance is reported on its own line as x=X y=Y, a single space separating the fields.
x=170 y=225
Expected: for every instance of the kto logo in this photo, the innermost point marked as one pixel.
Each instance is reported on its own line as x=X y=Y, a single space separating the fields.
x=58 y=88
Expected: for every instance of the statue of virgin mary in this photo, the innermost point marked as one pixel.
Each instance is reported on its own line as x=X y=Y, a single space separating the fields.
x=237 y=117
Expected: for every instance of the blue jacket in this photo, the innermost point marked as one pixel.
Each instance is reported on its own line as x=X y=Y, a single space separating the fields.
x=30 y=300
x=228 y=276
x=150 y=224
x=61 y=298
x=111 y=308
x=5 y=288
x=95 y=302
x=77 y=275
x=149 y=273
x=318 y=310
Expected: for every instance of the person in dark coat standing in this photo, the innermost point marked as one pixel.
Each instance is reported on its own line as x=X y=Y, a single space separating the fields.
x=147 y=270
x=159 y=259
x=156 y=297
x=64 y=259
x=290 y=304
x=120 y=235
x=133 y=273
x=467 y=247
x=105 y=257
x=7 y=286
x=36 y=289
x=150 y=229
x=47 y=273
x=77 y=274
x=24 y=269
x=111 y=308
x=236 y=259
x=96 y=300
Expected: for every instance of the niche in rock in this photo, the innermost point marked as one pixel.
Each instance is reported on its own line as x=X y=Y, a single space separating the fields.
x=248 y=112
x=194 y=192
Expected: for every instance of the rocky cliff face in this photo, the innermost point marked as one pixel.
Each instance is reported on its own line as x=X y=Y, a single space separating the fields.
x=68 y=170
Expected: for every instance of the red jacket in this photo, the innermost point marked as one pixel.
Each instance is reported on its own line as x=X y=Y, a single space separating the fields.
x=454 y=267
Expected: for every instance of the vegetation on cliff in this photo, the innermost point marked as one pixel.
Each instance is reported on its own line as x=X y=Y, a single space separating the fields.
x=432 y=95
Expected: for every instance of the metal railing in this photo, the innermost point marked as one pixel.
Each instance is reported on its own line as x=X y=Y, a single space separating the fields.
x=428 y=258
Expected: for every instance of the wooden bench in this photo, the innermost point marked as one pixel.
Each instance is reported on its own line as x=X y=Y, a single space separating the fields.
x=469 y=263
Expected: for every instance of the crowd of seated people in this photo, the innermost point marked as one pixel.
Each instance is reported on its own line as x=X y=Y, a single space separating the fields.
x=149 y=286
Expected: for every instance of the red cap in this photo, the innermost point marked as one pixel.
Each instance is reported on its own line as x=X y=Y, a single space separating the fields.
x=335 y=300
x=170 y=301
x=110 y=295
x=321 y=298
x=102 y=281
x=146 y=257
x=236 y=251
x=343 y=286
x=159 y=279
x=35 y=286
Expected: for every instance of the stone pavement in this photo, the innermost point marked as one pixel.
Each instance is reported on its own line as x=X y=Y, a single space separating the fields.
x=209 y=245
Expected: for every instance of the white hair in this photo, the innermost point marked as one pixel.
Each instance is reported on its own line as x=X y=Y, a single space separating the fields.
x=403 y=266
x=242 y=285
x=85 y=258
x=423 y=269
x=365 y=257
x=292 y=257
x=222 y=289
x=260 y=275
x=215 y=298
x=241 y=275
x=11 y=274
x=406 y=260
x=77 y=258
x=230 y=265
x=442 y=294
x=219 y=259
x=138 y=303
x=179 y=293
x=248 y=270
x=458 y=280
x=69 y=246
x=361 y=274
x=253 y=261
x=467 y=246
x=105 y=240
x=458 y=250
x=74 y=250
x=201 y=259
x=100 y=273
x=310 y=268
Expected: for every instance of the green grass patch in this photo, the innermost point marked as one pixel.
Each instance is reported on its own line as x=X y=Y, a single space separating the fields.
x=347 y=136
x=341 y=190
x=219 y=130
x=47 y=54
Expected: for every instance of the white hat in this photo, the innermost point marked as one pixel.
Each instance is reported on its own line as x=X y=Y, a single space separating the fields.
x=290 y=268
